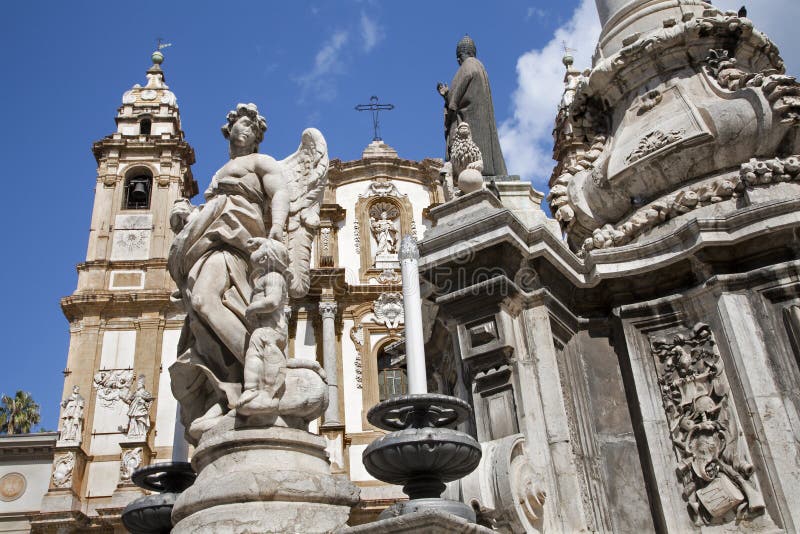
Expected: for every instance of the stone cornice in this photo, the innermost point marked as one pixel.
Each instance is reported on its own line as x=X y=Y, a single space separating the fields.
x=425 y=171
x=610 y=276
x=100 y=302
x=28 y=446
x=182 y=148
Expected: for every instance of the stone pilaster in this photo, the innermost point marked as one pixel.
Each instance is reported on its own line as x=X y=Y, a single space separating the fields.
x=327 y=310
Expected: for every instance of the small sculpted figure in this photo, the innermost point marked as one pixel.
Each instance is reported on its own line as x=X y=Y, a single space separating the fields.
x=72 y=417
x=384 y=232
x=265 y=362
x=139 y=401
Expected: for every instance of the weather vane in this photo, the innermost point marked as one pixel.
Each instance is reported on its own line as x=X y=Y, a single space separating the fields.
x=161 y=44
x=567 y=49
x=375 y=108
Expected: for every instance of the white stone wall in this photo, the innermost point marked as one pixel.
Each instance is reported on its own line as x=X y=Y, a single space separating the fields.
x=167 y=405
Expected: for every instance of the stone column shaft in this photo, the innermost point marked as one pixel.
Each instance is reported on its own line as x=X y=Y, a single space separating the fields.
x=412 y=311
x=327 y=310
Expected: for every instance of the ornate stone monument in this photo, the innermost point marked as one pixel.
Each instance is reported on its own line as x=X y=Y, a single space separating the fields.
x=245 y=403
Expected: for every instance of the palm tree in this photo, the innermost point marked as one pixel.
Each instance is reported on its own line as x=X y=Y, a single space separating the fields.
x=18 y=413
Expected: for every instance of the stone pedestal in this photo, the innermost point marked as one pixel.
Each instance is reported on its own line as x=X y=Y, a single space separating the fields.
x=386 y=261
x=428 y=521
x=262 y=480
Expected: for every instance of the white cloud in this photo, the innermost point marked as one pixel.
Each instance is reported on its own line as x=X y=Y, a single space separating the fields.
x=371 y=32
x=327 y=63
x=526 y=138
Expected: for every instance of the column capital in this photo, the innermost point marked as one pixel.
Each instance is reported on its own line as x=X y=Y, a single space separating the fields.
x=327 y=309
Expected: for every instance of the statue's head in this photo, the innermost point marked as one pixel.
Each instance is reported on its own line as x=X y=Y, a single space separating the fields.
x=463 y=131
x=245 y=127
x=268 y=254
x=465 y=48
x=140 y=382
x=76 y=389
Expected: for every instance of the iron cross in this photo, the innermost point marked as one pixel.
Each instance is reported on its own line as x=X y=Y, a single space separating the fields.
x=375 y=108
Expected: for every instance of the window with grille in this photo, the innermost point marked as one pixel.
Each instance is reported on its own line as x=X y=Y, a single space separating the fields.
x=392 y=377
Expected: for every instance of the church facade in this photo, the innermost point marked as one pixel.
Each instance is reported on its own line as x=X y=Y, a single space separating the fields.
x=633 y=363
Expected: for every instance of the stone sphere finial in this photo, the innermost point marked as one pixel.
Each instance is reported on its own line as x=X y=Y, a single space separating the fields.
x=568 y=60
x=466 y=45
x=157 y=57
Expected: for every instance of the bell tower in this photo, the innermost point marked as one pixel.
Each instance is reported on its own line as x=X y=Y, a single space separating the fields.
x=118 y=413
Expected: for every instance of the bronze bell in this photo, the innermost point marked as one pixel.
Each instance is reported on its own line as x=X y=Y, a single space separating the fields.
x=139 y=193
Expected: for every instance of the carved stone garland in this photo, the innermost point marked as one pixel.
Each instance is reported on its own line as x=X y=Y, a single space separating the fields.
x=712 y=460
x=357 y=336
x=62 y=470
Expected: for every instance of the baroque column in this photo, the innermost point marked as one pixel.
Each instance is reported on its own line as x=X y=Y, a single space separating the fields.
x=412 y=304
x=327 y=309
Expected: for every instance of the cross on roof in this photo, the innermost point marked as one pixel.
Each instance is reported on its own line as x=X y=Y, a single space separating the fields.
x=375 y=108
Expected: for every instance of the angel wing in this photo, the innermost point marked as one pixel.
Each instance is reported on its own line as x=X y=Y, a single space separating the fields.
x=308 y=175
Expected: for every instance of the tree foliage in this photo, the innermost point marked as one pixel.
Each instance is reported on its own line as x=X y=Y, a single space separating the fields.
x=18 y=413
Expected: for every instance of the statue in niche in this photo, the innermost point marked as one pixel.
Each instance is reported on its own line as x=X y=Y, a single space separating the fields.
x=384 y=230
x=72 y=416
x=469 y=99
x=139 y=401
x=235 y=270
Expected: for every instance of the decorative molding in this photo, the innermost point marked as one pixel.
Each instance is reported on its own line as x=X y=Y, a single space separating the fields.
x=654 y=141
x=713 y=463
x=754 y=173
x=388 y=309
x=62 y=470
x=357 y=336
x=130 y=461
x=382 y=188
x=12 y=486
x=389 y=276
x=327 y=309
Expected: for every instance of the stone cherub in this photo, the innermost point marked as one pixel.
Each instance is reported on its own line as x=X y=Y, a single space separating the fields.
x=228 y=354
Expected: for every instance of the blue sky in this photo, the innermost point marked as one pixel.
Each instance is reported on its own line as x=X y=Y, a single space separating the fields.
x=303 y=63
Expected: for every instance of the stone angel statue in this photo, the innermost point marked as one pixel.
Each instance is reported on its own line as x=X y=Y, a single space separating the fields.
x=236 y=261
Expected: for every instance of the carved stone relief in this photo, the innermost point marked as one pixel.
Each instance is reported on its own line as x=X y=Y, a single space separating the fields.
x=71 y=423
x=653 y=141
x=713 y=465
x=139 y=401
x=356 y=236
x=389 y=276
x=12 y=486
x=357 y=336
x=381 y=189
x=388 y=309
x=112 y=385
x=131 y=460
x=62 y=470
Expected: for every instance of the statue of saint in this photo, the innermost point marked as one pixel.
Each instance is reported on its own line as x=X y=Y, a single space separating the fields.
x=72 y=416
x=383 y=231
x=139 y=401
x=469 y=99
x=230 y=292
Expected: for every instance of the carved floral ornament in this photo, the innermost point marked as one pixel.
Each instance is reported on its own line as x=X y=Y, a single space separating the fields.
x=754 y=173
x=713 y=465
x=357 y=336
